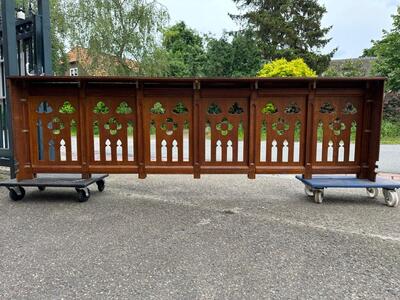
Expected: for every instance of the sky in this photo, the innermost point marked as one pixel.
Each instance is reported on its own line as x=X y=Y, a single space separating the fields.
x=355 y=22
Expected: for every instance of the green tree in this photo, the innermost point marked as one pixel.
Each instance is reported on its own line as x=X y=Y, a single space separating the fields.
x=388 y=55
x=238 y=58
x=387 y=64
x=287 y=29
x=117 y=32
x=370 y=52
x=185 y=51
x=58 y=25
x=219 y=57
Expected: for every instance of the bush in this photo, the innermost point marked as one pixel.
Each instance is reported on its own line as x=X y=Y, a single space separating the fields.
x=283 y=68
x=391 y=110
x=390 y=133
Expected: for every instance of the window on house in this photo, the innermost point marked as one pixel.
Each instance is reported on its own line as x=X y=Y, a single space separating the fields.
x=73 y=72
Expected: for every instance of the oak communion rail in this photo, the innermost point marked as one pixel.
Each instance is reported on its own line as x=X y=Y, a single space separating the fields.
x=196 y=126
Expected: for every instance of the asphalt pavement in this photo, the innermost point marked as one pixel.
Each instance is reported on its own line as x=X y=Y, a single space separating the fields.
x=221 y=237
x=389 y=159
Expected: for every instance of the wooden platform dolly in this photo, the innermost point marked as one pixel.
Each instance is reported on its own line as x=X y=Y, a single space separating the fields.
x=315 y=187
x=17 y=191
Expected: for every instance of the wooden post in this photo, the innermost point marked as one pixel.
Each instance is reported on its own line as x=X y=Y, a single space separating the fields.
x=140 y=130
x=83 y=131
x=366 y=130
x=196 y=129
x=252 y=130
x=376 y=120
x=310 y=136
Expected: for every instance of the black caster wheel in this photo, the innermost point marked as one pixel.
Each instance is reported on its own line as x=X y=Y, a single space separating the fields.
x=83 y=195
x=101 y=185
x=17 y=194
x=41 y=188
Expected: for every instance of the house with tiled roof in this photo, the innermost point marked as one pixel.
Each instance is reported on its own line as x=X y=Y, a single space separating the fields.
x=81 y=63
x=363 y=65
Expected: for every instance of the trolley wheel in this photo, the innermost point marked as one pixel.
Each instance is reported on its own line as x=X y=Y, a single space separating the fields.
x=17 y=193
x=83 y=195
x=101 y=184
x=41 y=188
x=391 y=198
x=372 y=192
x=309 y=191
x=318 y=196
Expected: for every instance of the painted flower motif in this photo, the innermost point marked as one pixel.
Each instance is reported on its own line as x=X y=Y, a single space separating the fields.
x=169 y=126
x=113 y=126
x=224 y=127
x=281 y=126
x=337 y=126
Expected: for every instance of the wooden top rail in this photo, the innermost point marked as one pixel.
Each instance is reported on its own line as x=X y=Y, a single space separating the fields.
x=190 y=79
x=196 y=125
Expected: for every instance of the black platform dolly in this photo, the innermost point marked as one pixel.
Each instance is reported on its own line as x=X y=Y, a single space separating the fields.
x=315 y=187
x=17 y=191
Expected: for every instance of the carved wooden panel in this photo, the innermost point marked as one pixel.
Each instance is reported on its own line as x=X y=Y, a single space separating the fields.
x=280 y=130
x=224 y=131
x=337 y=128
x=168 y=130
x=54 y=128
x=111 y=124
x=146 y=125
